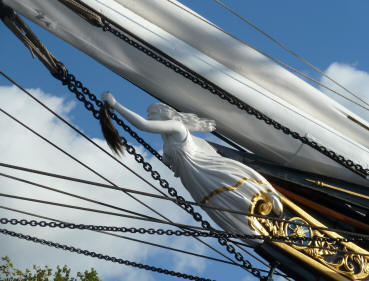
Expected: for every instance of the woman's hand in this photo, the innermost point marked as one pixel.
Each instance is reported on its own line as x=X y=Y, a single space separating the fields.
x=109 y=99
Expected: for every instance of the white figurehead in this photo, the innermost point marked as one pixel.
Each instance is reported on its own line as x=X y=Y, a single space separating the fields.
x=209 y=177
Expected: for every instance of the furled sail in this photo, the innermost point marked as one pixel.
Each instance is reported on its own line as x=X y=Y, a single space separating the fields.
x=224 y=61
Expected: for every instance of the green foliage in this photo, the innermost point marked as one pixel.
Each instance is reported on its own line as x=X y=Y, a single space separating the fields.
x=9 y=273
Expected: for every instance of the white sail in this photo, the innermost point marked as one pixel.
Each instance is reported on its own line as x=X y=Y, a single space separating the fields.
x=184 y=24
x=242 y=72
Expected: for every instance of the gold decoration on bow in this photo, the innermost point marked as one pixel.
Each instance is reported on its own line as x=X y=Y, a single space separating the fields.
x=328 y=257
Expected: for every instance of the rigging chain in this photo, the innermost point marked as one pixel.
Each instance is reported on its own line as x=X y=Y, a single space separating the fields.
x=215 y=90
x=273 y=58
x=131 y=172
x=77 y=88
x=73 y=86
x=123 y=237
x=80 y=91
x=181 y=201
x=101 y=256
x=141 y=241
x=274 y=219
x=169 y=232
x=298 y=57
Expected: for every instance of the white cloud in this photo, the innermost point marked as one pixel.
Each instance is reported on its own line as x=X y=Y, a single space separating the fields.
x=19 y=147
x=353 y=79
x=183 y=263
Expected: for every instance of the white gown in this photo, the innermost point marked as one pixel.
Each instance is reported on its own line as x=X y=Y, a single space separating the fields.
x=205 y=173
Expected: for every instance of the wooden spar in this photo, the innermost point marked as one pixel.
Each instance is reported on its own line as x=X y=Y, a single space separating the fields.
x=322 y=209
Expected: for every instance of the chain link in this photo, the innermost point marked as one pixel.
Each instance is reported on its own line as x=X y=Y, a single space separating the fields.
x=82 y=92
x=102 y=257
x=194 y=233
x=215 y=90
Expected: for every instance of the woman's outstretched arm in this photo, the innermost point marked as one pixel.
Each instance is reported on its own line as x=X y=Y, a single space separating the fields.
x=152 y=126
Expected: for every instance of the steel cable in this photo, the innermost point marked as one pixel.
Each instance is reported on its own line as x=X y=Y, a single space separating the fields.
x=74 y=195
x=88 y=106
x=212 y=232
x=121 y=236
x=209 y=246
x=101 y=256
x=275 y=219
x=291 y=240
x=278 y=61
x=297 y=56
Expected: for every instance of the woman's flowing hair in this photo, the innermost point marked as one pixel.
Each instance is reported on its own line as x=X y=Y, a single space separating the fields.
x=196 y=124
x=191 y=121
x=111 y=134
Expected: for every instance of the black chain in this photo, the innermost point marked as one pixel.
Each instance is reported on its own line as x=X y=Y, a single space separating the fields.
x=101 y=256
x=81 y=92
x=215 y=90
x=169 y=232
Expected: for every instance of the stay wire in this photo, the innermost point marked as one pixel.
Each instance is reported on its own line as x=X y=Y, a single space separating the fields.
x=290 y=51
x=246 y=264
x=141 y=241
x=246 y=251
x=154 y=220
x=280 y=62
x=19 y=122
x=122 y=237
x=149 y=243
x=118 y=188
x=71 y=156
x=87 y=138
x=231 y=249
x=79 y=197
x=100 y=256
x=73 y=85
x=198 y=231
x=73 y=195
x=315 y=227
x=106 y=152
x=3 y=112
x=290 y=240
x=215 y=232
x=235 y=242
x=65 y=78
x=213 y=89
x=79 y=132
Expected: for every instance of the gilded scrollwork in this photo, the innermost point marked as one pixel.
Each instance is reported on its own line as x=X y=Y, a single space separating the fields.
x=335 y=255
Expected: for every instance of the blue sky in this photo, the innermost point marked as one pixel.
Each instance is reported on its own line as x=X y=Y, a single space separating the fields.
x=323 y=32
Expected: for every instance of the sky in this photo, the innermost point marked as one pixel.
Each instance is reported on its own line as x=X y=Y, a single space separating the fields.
x=330 y=34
